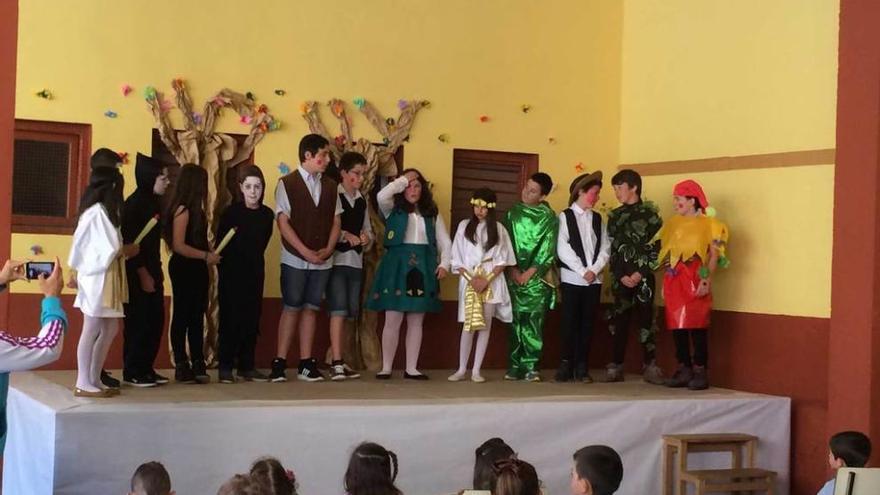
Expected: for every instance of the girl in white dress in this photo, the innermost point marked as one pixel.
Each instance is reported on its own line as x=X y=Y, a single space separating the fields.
x=481 y=251
x=98 y=256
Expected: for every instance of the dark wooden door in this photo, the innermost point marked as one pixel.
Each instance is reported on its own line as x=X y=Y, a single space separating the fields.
x=504 y=172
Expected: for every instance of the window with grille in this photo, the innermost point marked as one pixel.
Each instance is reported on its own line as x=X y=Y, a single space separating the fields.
x=503 y=172
x=49 y=172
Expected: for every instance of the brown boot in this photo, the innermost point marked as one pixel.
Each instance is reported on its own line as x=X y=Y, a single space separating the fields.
x=681 y=378
x=700 y=381
x=652 y=374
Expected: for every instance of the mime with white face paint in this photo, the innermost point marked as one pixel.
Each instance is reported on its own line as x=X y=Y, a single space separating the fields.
x=242 y=272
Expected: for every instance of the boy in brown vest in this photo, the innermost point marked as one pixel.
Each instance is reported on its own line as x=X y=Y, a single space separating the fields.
x=307 y=210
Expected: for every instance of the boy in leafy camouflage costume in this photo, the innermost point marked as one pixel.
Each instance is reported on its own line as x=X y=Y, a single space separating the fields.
x=632 y=227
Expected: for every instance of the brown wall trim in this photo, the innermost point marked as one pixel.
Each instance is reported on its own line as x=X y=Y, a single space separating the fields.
x=8 y=53
x=721 y=163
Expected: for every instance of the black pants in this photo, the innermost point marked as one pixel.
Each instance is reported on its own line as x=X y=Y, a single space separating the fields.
x=189 y=285
x=579 y=307
x=144 y=322
x=627 y=307
x=683 y=348
x=240 y=309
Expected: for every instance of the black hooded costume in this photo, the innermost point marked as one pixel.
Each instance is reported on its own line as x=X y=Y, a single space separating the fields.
x=145 y=312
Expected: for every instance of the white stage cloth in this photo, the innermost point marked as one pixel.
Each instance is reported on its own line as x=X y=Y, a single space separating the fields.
x=62 y=445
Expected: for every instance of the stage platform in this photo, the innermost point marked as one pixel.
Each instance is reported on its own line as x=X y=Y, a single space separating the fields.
x=205 y=433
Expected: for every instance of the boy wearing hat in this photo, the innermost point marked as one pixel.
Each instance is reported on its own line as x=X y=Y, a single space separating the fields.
x=583 y=249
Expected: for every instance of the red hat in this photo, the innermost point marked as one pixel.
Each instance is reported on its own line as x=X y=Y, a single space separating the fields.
x=691 y=188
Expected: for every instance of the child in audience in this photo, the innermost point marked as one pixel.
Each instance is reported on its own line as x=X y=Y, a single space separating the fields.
x=846 y=449
x=346 y=276
x=98 y=255
x=151 y=478
x=597 y=470
x=269 y=472
x=481 y=251
x=242 y=272
x=242 y=484
x=515 y=477
x=407 y=281
x=372 y=470
x=489 y=452
x=186 y=232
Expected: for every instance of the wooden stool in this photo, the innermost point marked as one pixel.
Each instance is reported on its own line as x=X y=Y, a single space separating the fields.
x=682 y=445
x=731 y=480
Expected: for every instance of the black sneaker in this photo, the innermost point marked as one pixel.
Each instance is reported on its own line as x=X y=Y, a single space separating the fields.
x=308 y=371
x=278 y=367
x=143 y=381
x=184 y=374
x=108 y=381
x=201 y=372
x=225 y=376
x=564 y=373
x=253 y=376
x=159 y=379
x=350 y=373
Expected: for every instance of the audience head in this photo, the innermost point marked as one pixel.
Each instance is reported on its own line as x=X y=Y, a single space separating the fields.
x=269 y=472
x=597 y=470
x=151 y=478
x=372 y=470
x=515 y=477
x=493 y=449
x=242 y=484
x=849 y=449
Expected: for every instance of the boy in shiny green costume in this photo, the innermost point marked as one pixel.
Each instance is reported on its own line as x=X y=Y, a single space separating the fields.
x=532 y=226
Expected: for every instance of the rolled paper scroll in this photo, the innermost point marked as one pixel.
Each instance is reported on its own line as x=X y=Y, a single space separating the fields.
x=226 y=239
x=152 y=222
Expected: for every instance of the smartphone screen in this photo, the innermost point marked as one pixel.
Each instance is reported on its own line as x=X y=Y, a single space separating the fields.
x=33 y=269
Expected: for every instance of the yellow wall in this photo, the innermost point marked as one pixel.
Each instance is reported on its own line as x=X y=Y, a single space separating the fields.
x=469 y=58
x=714 y=78
x=614 y=82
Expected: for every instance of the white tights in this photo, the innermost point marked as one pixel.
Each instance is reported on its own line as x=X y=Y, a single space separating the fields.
x=391 y=336
x=467 y=342
x=94 y=344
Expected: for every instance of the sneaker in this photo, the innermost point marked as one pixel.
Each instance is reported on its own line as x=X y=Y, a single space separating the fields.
x=337 y=373
x=108 y=381
x=512 y=376
x=533 y=376
x=652 y=374
x=564 y=373
x=184 y=374
x=350 y=373
x=682 y=376
x=278 y=367
x=161 y=380
x=700 y=381
x=201 y=372
x=253 y=376
x=308 y=371
x=144 y=381
x=225 y=376
x=614 y=372
x=585 y=378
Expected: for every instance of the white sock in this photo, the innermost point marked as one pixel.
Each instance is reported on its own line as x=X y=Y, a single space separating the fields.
x=390 y=337
x=84 y=350
x=464 y=351
x=413 y=341
x=109 y=328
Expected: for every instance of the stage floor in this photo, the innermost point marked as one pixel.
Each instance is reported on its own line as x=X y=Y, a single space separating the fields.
x=205 y=433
